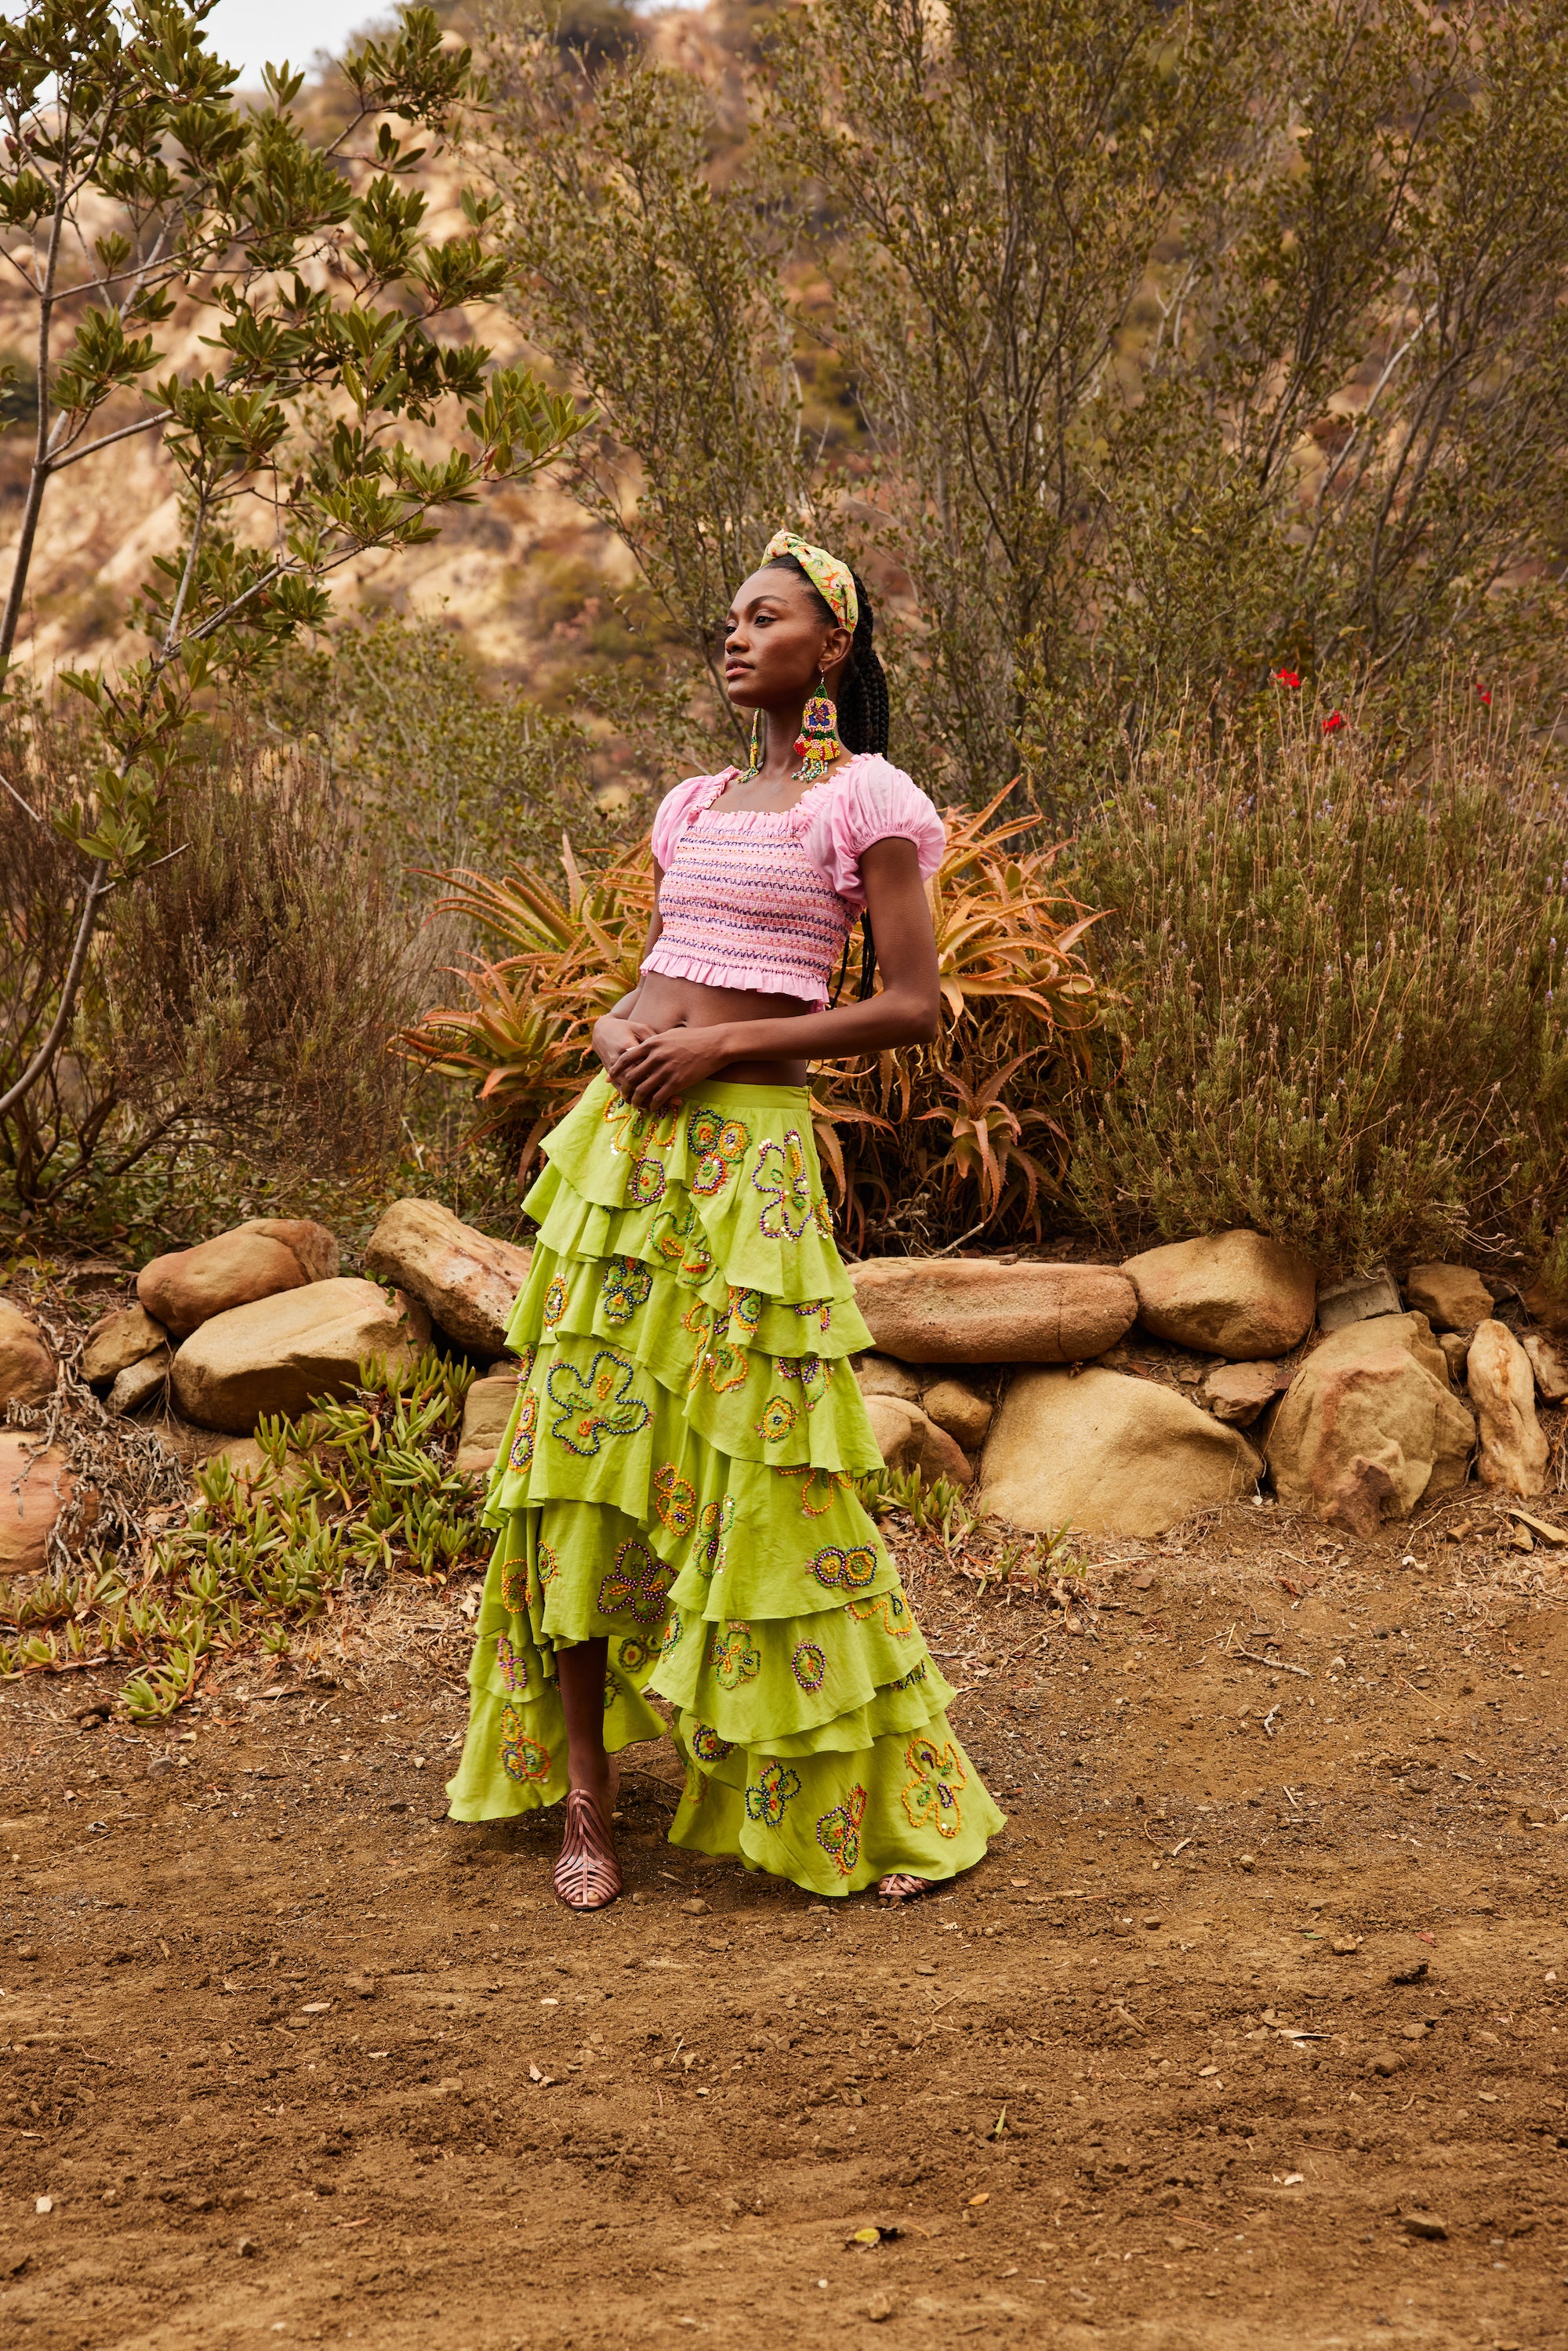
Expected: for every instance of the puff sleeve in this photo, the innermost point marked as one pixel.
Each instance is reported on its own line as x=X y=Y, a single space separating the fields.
x=873 y=800
x=679 y=804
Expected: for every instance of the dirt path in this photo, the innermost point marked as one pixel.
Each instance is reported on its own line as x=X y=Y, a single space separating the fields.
x=1241 y=2035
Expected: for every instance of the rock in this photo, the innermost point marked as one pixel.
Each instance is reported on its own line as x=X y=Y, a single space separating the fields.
x=26 y=1366
x=1358 y=1299
x=1452 y=1297
x=1549 y=1362
x=1513 y=1449
x=279 y=1354
x=138 y=1383
x=314 y=1246
x=1108 y=1455
x=1547 y=1302
x=465 y=1279
x=1427 y=2226
x=1236 y=1393
x=975 y=1311
x=1455 y=1347
x=956 y=1407
x=35 y=1488
x=1370 y=1425
x=116 y=1341
x=188 y=1287
x=1385 y=2062
x=880 y=1375
x=1233 y=1294
x=252 y=1468
x=486 y=1408
x=907 y=1441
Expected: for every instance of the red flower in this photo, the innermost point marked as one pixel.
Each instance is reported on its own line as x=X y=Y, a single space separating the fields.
x=1288 y=678
x=1485 y=693
x=1333 y=722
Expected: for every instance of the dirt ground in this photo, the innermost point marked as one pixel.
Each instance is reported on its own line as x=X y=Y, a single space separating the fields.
x=1249 y=2032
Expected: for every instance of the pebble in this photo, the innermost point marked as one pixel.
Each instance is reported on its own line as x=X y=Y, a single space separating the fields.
x=1425 y=2224
x=1385 y=2062
x=696 y=1908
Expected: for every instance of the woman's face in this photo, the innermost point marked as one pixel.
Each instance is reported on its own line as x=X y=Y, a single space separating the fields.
x=775 y=642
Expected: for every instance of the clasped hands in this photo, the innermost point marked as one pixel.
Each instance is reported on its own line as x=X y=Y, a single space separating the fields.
x=654 y=1066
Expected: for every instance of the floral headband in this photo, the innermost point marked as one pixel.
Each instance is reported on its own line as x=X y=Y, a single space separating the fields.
x=832 y=579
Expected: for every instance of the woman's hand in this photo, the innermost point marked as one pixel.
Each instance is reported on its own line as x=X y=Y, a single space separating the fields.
x=615 y=1038
x=666 y=1064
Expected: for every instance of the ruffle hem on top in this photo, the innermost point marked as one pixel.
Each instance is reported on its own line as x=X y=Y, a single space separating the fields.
x=678 y=1474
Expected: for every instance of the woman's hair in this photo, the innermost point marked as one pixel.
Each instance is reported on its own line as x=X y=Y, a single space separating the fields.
x=863 y=689
x=862 y=713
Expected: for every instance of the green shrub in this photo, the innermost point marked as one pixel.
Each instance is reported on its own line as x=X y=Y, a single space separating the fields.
x=1341 y=1016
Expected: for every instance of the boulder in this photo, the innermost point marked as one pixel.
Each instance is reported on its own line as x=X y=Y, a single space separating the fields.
x=1236 y=1393
x=1513 y=1448
x=35 y=1488
x=958 y=1408
x=279 y=1354
x=188 y=1287
x=486 y=1409
x=908 y=1440
x=1547 y=1302
x=312 y=1244
x=1452 y=1297
x=1360 y=1298
x=26 y=1365
x=465 y=1281
x=116 y=1341
x=1370 y=1425
x=1455 y=1347
x=139 y=1384
x=1108 y=1454
x=975 y=1311
x=880 y=1375
x=1549 y=1362
x=1236 y=1294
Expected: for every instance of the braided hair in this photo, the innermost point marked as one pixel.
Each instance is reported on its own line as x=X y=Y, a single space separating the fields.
x=862 y=712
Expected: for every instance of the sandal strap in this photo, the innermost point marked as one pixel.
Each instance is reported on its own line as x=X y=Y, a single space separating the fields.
x=588 y=1875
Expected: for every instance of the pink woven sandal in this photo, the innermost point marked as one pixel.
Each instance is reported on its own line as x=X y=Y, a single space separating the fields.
x=588 y=1875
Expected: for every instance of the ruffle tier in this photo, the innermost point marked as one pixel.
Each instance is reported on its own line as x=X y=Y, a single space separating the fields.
x=679 y=1476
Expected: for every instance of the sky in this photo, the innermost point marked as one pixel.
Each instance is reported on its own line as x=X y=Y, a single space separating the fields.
x=253 y=33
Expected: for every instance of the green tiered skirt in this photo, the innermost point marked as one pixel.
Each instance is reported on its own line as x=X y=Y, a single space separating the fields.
x=679 y=1474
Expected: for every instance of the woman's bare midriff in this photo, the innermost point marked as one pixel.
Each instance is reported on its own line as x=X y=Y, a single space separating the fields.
x=664 y=1002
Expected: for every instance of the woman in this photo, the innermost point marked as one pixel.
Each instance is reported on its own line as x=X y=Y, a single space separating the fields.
x=675 y=1498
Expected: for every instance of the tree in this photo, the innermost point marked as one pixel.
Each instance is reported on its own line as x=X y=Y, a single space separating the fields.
x=137 y=188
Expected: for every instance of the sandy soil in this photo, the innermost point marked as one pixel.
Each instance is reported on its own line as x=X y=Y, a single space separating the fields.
x=1249 y=2032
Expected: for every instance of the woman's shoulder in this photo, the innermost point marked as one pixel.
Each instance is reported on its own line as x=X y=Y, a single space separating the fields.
x=681 y=803
x=870 y=800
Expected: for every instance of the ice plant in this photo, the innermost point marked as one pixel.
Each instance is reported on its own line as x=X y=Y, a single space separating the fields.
x=1288 y=678
x=1333 y=722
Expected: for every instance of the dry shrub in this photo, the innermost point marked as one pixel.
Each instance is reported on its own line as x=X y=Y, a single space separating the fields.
x=920 y=1138
x=1340 y=982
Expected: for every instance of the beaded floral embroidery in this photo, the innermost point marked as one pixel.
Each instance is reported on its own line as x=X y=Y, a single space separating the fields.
x=787 y=1188
x=930 y=1801
x=908 y=1680
x=632 y=1131
x=822 y=1308
x=718 y=1145
x=813 y=1374
x=522 y=1757
x=714 y=1526
x=626 y=1285
x=633 y=1654
x=733 y=1656
x=670 y=1640
x=744 y=1315
x=513 y=1670
x=706 y=1744
x=839 y=1830
x=612 y=1691
x=810 y=1666
x=695 y=1787
x=681 y=1242
x=516 y=1590
x=637 y=1585
x=778 y=1417
x=675 y=1498
x=844 y=1571
x=555 y=1303
x=646 y=1183
x=769 y=1794
x=548 y=1561
x=891 y=1607
x=817 y=1485
x=715 y=1360
x=522 y=1453
x=595 y=1404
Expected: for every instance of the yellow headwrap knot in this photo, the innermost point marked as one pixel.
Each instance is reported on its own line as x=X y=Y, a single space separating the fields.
x=832 y=579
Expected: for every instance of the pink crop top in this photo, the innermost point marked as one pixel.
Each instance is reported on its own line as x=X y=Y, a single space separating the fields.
x=764 y=898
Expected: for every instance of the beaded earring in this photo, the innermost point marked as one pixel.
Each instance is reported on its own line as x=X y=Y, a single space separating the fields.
x=758 y=747
x=817 y=746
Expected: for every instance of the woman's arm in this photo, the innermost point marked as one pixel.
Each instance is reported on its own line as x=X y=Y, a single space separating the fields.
x=618 y=1028
x=906 y=1011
